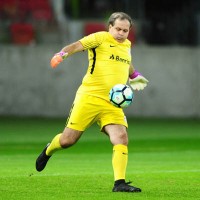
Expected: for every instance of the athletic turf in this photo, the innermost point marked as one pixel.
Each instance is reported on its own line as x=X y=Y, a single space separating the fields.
x=164 y=160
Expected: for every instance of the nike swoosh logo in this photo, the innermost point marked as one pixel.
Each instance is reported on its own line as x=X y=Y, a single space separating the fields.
x=112 y=46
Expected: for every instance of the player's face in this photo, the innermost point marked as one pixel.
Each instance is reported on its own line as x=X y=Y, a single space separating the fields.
x=120 y=30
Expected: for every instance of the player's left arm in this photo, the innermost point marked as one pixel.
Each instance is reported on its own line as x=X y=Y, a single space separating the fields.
x=136 y=80
x=65 y=52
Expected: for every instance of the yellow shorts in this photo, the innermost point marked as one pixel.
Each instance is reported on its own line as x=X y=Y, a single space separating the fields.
x=87 y=110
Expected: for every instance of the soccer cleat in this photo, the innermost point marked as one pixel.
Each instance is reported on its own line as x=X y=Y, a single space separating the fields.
x=42 y=160
x=125 y=187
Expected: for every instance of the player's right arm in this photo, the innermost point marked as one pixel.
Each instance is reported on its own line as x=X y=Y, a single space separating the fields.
x=65 y=52
x=88 y=42
x=73 y=48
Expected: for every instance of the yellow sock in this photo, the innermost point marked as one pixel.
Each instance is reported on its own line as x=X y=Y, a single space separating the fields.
x=119 y=161
x=54 y=145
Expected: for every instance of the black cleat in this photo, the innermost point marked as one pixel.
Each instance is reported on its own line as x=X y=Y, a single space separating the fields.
x=125 y=187
x=42 y=160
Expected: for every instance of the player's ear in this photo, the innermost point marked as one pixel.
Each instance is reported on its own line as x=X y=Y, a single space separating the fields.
x=109 y=27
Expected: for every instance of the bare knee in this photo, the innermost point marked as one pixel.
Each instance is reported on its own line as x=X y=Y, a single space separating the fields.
x=69 y=137
x=120 y=138
x=117 y=133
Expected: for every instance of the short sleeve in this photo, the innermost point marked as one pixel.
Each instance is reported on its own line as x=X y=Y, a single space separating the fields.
x=93 y=40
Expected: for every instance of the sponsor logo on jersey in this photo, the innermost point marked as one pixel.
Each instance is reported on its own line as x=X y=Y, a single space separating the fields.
x=119 y=59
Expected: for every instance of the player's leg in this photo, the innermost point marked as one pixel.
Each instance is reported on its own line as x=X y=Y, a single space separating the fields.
x=113 y=123
x=119 y=138
x=60 y=141
x=64 y=140
x=75 y=126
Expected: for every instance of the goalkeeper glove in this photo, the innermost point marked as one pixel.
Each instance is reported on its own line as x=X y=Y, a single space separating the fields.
x=58 y=58
x=137 y=81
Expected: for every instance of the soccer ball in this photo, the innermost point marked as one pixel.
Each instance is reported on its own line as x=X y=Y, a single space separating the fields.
x=121 y=95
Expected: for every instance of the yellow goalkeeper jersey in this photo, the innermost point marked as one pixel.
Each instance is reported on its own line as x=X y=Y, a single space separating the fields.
x=109 y=63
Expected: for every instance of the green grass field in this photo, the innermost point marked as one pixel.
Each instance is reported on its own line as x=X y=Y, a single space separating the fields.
x=164 y=160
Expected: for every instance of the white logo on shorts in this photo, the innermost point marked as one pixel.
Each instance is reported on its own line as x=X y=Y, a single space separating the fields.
x=125 y=119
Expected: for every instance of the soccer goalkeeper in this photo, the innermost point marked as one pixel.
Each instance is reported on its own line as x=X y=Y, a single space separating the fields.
x=109 y=64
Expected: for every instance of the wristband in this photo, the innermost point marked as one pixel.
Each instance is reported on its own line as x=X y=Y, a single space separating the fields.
x=61 y=53
x=135 y=74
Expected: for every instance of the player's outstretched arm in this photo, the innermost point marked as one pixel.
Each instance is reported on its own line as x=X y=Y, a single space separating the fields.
x=58 y=58
x=136 y=80
x=65 y=52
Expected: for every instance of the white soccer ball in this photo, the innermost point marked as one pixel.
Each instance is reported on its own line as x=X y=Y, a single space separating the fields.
x=121 y=95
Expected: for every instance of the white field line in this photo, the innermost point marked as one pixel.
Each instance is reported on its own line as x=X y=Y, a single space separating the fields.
x=83 y=173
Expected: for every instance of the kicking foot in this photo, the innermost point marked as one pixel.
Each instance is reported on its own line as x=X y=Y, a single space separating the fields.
x=42 y=160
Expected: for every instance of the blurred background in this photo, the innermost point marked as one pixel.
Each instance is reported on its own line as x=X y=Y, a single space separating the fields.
x=166 y=49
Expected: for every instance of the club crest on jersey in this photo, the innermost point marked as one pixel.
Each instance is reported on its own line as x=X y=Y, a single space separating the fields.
x=119 y=59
